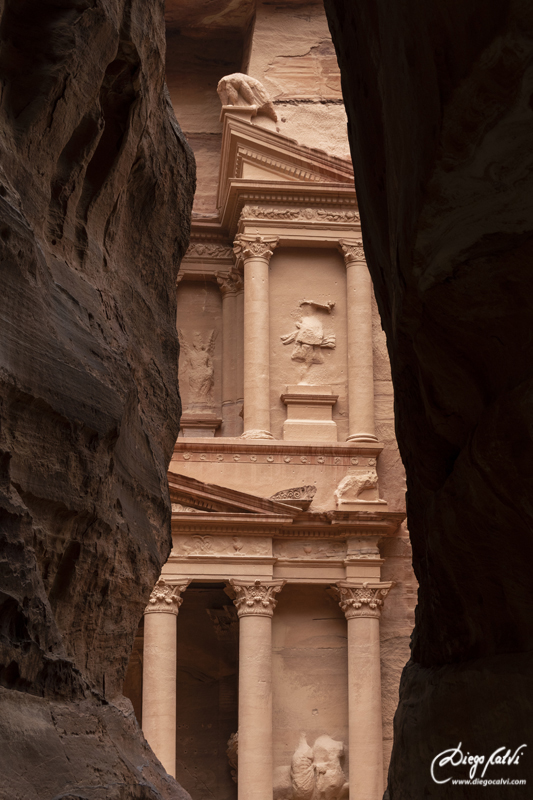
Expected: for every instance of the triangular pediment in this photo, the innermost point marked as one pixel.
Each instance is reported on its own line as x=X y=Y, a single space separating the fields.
x=256 y=154
x=189 y=495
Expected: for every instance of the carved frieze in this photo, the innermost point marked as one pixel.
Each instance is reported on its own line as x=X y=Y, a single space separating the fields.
x=299 y=214
x=256 y=598
x=166 y=597
x=207 y=545
x=323 y=549
x=364 y=600
x=209 y=250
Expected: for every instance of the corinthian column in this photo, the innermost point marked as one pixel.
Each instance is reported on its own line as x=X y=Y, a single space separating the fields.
x=231 y=287
x=255 y=253
x=159 y=670
x=360 y=358
x=255 y=603
x=361 y=603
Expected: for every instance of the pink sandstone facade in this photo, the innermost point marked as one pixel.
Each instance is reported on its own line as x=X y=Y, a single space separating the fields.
x=284 y=611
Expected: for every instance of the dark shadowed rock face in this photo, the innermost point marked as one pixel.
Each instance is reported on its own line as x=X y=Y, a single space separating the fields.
x=441 y=127
x=96 y=185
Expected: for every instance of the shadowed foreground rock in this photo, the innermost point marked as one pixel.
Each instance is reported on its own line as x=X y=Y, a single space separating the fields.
x=96 y=184
x=441 y=126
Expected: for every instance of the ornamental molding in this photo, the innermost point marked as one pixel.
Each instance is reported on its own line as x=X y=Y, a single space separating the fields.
x=166 y=597
x=364 y=599
x=246 y=247
x=353 y=251
x=256 y=598
x=299 y=214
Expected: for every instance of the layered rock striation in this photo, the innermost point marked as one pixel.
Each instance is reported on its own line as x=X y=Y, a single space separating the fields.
x=440 y=114
x=96 y=186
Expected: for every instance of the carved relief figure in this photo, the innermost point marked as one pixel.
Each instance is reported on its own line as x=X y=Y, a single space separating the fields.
x=238 y=89
x=353 y=485
x=315 y=772
x=309 y=337
x=197 y=354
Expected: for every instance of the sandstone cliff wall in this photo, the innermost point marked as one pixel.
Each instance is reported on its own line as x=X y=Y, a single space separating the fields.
x=438 y=97
x=96 y=185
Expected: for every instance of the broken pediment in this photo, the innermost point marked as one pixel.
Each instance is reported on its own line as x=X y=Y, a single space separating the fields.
x=193 y=496
x=250 y=152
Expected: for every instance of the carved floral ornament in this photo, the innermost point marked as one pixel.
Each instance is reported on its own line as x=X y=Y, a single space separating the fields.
x=352 y=251
x=257 y=598
x=230 y=282
x=246 y=247
x=166 y=597
x=365 y=600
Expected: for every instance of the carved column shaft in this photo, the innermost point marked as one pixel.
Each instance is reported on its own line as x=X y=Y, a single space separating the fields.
x=255 y=254
x=255 y=606
x=159 y=671
x=360 y=356
x=362 y=604
x=232 y=288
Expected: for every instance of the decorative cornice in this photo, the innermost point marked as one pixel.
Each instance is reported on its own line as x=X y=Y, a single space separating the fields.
x=166 y=597
x=353 y=251
x=246 y=247
x=363 y=599
x=299 y=214
x=257 y=598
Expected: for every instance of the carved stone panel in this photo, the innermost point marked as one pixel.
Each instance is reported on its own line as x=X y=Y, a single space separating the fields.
x=309 y=550
x=207 y=545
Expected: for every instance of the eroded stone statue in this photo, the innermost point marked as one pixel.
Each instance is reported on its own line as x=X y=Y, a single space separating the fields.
x=238 y=89
x=354 y=484
x=309 y=337
x=315 y=772
x=198 y=356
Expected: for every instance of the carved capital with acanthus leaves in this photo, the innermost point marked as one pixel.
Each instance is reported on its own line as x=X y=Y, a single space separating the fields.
x=230 y=282
x=352 y=250
x=256 y=598
x=166 y=597
x=246 y=247
x=362 y=599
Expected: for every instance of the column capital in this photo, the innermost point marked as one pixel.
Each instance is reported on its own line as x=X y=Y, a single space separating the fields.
x=363 y=599
x=256 y=598
x=352 y=250
x=257 y=246
x=231 y=282
x=166 y=597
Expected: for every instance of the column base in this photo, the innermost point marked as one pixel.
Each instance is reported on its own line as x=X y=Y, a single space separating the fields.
x=256 y=434
x=362 y=437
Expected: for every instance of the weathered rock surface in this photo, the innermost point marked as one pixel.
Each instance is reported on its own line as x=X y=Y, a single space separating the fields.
x=96 y=185
x=438 y=97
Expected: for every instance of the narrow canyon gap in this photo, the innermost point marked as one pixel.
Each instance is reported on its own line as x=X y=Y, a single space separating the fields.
x=96 y=187
x=438 y=97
